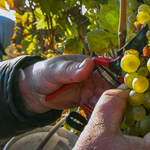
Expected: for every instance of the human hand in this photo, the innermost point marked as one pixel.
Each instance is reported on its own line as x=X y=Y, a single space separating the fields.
x=45 y=77
x=103 y=129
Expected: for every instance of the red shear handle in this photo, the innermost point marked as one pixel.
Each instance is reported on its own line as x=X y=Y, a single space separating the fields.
x=63 y=88
x=121 y=79
x=86 y=107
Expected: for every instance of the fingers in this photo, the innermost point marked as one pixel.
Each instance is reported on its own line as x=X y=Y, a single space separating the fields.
x=147 y=139
x=123 y=86
x=109 y=110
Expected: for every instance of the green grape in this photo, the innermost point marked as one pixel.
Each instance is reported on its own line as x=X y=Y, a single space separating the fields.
x=146 y=100
x=129 y=12
x=128 y=79
x=142 y=61
x=135 y=98
x=128 y=121
x=123 y=73
x=148 y=64
x=123 y=125
x=132 y=18
x=130 y=63
x=147 y=2
x=128 y=1
x=143 y=126
x=138 y=112
x=140 y=84
x=130 y=37
x=133 y=5
x=148 y=22
x=144 y=8
x=148 y=90
x=143 y=17
x=127 y=113
x=148 y=34
x=132 y=131
x=143 y=71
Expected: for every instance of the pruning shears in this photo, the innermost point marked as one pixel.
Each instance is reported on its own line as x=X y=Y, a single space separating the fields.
x=109 y=68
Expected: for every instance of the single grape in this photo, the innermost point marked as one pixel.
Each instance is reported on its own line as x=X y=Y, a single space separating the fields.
x=132 y=18
x=132 y=131
x=148 y=64
x=142 y=61
x=131 y=26
x=133 y=5
x=128 y=79
x=130 y=31
x=146 y=51
x=148 y=90
x=143 y=126
x=128 y=120
x=146 y=100
x=123 y=125
x=148 y=22
x=140 y=84
x=143 y=71
x=135 y=98
x=123 y=73
x=144 y=8
x=130 y=63
x=135 y=23
x=138 y=112
x=147 y=2
x=143 y=17
x=132 y=52
x=129 y=12
x=148 y=34
x=128 y=1
x=138 y=27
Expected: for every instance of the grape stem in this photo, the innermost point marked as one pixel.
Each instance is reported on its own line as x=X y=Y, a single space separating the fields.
x=122 y=23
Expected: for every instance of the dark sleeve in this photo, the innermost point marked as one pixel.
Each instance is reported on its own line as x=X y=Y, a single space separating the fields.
x=14 y=118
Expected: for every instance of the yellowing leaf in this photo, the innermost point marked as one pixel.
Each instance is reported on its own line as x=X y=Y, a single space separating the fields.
x=13 y=4
x=2 y=5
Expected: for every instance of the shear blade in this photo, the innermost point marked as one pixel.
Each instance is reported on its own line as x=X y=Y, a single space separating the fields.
x=137 y=43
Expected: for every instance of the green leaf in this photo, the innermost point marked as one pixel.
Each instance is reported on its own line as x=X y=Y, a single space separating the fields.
x=25 y=45
x=41 y=19
x=82 y=22
x=72 y=46
x=109 y=17
x=100 y=41
x=101 y=1
x=71 y=31
x=53 y=6
x=88 y=4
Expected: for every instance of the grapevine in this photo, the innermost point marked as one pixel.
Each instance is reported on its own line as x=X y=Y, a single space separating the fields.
x=43 y=30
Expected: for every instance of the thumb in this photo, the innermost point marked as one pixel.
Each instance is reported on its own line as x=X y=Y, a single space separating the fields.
x=67 y=71
x=109 y=111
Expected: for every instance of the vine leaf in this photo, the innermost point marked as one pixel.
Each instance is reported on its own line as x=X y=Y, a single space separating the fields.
x=54 y=6
x=109 y=17
x=2 y=5
x=72 y=46
x=41 y=19
x=101 y=1
x=100 y=41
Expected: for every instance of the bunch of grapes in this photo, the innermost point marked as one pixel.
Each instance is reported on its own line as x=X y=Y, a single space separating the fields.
x=138 y=13
x=136 y=121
